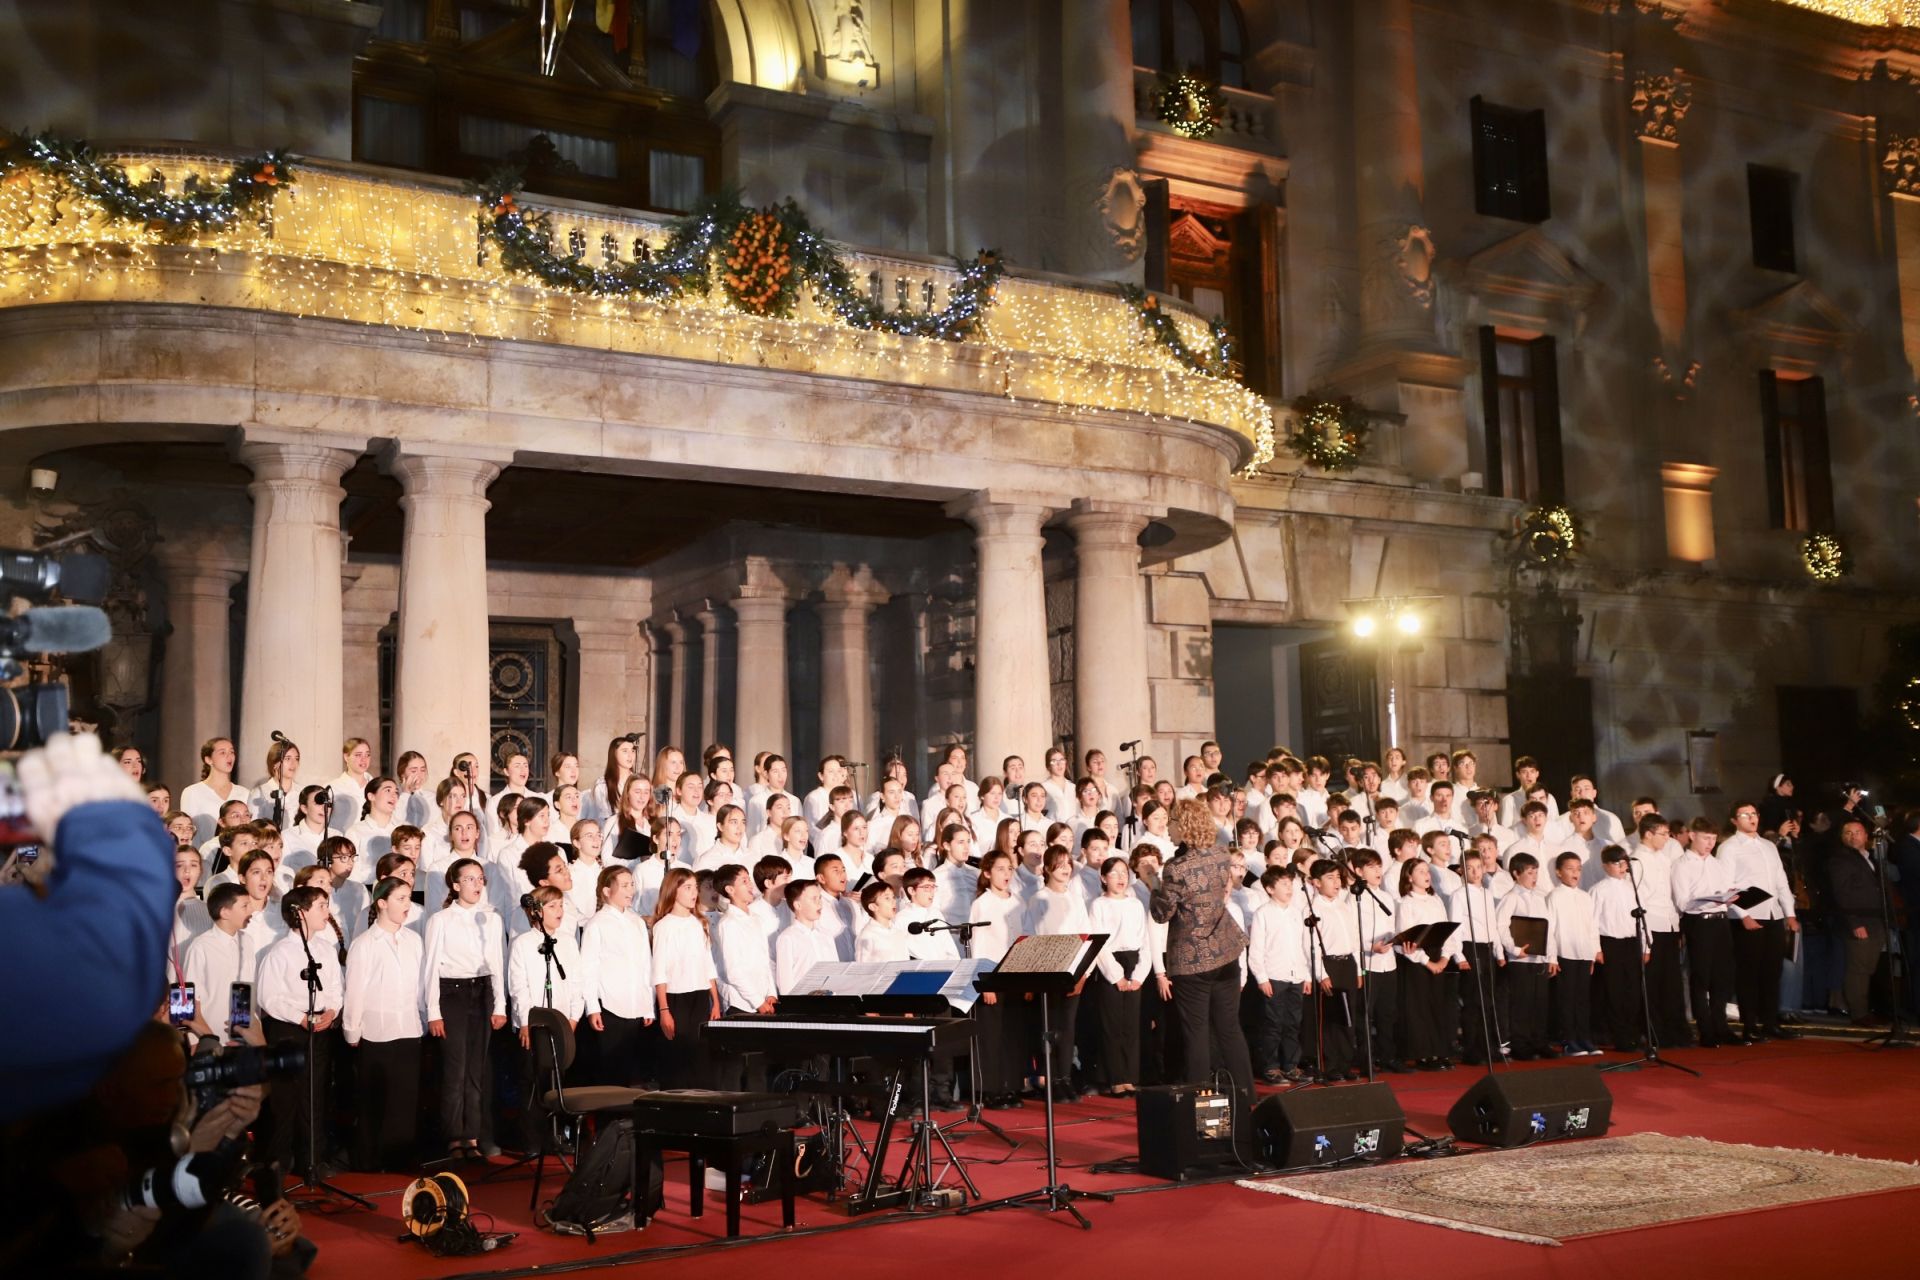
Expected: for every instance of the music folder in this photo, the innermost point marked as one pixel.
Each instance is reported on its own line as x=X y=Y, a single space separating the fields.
x=1529 y=932
x=1429 y=938
x=1749 y=898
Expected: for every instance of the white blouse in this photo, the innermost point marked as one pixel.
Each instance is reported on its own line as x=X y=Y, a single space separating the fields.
x=682 y=956
x=880 y=942
x=464 y=942
x=745 y=965
x=202 y=803
x=1050 y=912
x=372 y=840
x=618 y=964
x=1124 y=921
x=349 y=793
x=279 y=990
x=1000 y=919
x=385 y=997
x=528 y=975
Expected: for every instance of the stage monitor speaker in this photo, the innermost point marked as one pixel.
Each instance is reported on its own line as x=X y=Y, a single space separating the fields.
x=1309 y=1127
x=1183 y=1129
x=1519 y=1108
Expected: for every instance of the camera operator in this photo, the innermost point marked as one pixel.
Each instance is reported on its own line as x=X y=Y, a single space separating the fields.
x=85 y=951
x=142 y=1172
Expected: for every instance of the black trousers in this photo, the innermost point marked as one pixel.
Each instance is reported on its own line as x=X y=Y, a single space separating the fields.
x=466 y=1007
x=617 y=1051
x=1421 y=990
x=1382 y=995
x=1156 y=1032
x=1709 y=974
x=387 y=1078
x=1863 y=958
x=1526 y=1007
x=683 y=1059
x=1208 y=1008
x=1330 y=1017
x=1666 y=990
x=1480 y=1028
x=1572 y=1000
x=1758 y=955
x=291 y=1100
x=1118 y=1014
x=1620 y=973
x=996 y=1041
x=1278 y=1047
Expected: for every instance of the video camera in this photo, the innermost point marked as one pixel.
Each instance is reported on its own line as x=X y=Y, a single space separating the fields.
x=32 y=712
x=211 y=1076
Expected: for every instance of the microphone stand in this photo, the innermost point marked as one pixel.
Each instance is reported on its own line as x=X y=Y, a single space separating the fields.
x=1480 y=990
x=1312 y=923
x=974 y=1114
x=1366 y=958
x=1896 y=1035
x=311 y=1180
x=1649 y=1053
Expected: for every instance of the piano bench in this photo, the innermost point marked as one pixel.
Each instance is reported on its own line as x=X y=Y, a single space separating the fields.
x=728 y=1153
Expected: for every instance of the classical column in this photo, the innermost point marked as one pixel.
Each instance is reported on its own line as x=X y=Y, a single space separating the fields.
x=291 y=673
x=196 y=692
x=1110 y=695
x=713 y=621
x=440 y=678
x=849 y=597
x=1659 y=106
x=606 y=654
x=1390 y=180
x=1103 y=234
x=760 y=713
x=1013 y=703
x=360 y=642
x=679 y=648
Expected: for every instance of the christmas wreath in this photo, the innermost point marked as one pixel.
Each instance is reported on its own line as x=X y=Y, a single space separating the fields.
x=1189 y=106
x=1328 y=434
x=1825 y=557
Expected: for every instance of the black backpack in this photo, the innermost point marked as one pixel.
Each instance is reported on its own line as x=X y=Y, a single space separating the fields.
x=599 y=1195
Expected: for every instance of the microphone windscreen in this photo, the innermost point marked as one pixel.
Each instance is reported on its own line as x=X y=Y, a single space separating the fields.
x=84 y=578
x=917 y=926
x=69 y=628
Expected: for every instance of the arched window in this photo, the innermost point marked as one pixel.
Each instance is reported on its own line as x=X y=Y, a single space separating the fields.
x=1206 y=37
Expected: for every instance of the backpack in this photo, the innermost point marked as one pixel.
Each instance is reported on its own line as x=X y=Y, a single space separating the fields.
x=599 y=1196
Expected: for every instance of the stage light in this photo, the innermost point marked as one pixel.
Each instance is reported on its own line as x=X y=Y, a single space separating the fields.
x=1363 y=626
x=1409 y=624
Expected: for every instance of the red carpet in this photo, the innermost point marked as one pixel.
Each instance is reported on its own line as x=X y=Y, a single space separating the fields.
x=1811 y=1094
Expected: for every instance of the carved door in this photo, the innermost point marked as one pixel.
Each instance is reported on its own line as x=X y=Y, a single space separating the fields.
x=1339 y=701
x=526 y=693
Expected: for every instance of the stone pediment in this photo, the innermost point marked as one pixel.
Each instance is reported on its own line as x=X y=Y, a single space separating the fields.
x=1190 y=238
x=1799 y=315
x=1530 y=266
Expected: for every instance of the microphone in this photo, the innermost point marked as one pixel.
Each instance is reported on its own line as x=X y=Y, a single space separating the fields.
x=79 y=577
x=940 y=926
x=72 y=628
x=527 y=904
x=550 y=949
x=1129 y=746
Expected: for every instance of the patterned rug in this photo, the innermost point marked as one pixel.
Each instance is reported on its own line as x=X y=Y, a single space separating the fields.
x=1544 y=1195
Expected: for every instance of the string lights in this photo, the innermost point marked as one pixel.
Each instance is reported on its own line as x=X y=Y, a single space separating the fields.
x=1825 y=557
x=1329 y=434
x=1867 y=13
x=409 y=254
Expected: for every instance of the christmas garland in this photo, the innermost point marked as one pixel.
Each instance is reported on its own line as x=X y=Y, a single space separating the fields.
x=1329 y=434
x=1189 y=106
x=1215 y=362
x=1548 y=533
x=201 y=208
x=1825 y=557
x=767 y=256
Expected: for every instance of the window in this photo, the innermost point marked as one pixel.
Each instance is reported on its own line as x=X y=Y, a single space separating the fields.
x=1770 y=196
x=1799 y=473
x=1206 y=37
x=1509 y=162
x=1225 y=262
x=1520 y=398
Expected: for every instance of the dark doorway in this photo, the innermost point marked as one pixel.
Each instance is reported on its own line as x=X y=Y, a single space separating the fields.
x=1339 y=699
x=1550 y=717
x=1820 y=741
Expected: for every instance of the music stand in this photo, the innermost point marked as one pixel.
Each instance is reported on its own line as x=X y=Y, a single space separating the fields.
x=1045 y=965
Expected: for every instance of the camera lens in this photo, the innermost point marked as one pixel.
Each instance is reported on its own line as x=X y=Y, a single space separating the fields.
x=31 y=714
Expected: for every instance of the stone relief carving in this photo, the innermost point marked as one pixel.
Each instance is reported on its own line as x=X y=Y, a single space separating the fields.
x=847 y=38
x=1900 y=169
x=1659 y=104
x=1413 y=256
x=1122 y=203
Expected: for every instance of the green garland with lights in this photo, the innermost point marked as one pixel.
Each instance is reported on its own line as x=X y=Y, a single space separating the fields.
x=1549 y=533
x=1825 y=557
x=1329 y=434
x=1189 y=106
x=203 y=207
x=767 y=256
x=1215 y=360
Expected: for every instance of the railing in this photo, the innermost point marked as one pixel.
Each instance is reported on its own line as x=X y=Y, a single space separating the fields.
x=1246 y=119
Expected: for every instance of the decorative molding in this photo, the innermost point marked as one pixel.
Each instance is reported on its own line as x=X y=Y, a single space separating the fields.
x=1797 y=325
x=1900 y=167
x=1122 y=204
x=1530 y=267
x=1659 y=105
x=1413 y=259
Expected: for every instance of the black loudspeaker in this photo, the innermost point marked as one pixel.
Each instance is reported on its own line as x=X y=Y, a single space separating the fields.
x=1309 y=1127
x=1519 y=1108
x=1182 y=1129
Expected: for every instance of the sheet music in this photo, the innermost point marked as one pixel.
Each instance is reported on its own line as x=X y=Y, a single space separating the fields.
x=874 y=977
x=1046 y=953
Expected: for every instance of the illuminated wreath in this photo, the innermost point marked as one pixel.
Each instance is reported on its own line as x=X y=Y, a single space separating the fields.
x=1189 y=106
x=759 y=275
x=1548 y=534
x=1329 y=434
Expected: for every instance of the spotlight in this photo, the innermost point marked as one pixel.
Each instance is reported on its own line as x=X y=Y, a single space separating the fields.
x=1409 y=624
x=1363 y=625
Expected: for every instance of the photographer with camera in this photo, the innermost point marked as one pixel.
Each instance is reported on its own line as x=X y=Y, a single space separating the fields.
x=85 y=952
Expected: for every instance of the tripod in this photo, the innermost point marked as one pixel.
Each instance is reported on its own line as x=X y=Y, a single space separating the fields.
x=916 y=1171
x=1896 y=1036
x=311 y=1179
x=1649 y=1053
x=1056 y=1195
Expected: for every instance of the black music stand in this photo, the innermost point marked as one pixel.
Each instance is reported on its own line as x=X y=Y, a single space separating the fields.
x=1045 y=965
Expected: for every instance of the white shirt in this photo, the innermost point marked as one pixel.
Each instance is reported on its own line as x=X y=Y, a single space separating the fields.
x=719 y=854
x=1613 y=907
x=618 y=964
x=465 y=942
x=1376 y=925
x=1571 y=912
x=838 y=923
x=743 y=963
x=372 y=840
x=1000 y=918
x=349 y=793
x=1523 y=901
x=385 y=997
x=203 y=804
x=190 y=920
x=1477 y=913
x=1442 y=822
x=1654 y=874
x=1755 y=864
x=954 y=886
x=350 y=902
x=280 y=992
x=758 y=801
x=1277 y=946
x=926 y=946
x=1701 y=885
x=213 y=963
x=1515 y=800
x=798 y=948
x=682 y=956
x=1606 y=825
x=1050 y=912
x=300 y=845
x=1334 y=935
x=1124 y=921
x=883 y=943
x=265 y=796
x=528 y=977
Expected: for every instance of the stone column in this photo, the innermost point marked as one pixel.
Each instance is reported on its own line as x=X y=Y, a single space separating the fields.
x=1110 y=696
x=1012 y=696
x=606 y=651
x=1103 y=232
x=760 y=612
x=1390 y=179
x=713 y=620
x=196 y=692
x=360 y=699
x=846 y=669
x=291 y=673
x=678 y=648
x=440 y=678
